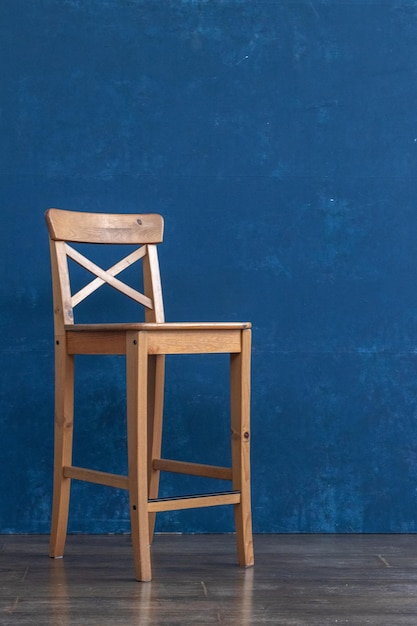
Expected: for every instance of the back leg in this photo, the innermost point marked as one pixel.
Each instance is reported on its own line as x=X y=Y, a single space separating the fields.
x=64 y=416
x=156 y=379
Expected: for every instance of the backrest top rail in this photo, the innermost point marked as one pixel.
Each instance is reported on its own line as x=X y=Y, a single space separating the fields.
x=123 y=228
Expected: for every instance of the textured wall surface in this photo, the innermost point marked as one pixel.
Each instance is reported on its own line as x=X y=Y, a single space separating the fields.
x=279 y=140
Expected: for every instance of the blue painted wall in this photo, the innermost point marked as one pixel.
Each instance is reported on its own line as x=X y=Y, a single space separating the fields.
x=279 y=140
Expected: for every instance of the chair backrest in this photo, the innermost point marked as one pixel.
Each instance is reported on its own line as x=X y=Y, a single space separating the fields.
x=73 y=227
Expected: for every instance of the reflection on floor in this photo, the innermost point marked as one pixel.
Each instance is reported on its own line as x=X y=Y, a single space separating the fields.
x=309 y=580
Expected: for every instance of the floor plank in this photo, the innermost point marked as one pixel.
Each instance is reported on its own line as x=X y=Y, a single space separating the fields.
x=298 y=580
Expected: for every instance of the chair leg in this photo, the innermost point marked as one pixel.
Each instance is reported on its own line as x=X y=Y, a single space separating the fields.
x=137 y=387
x=64 y=414
x=156 y=376
x=240 y=417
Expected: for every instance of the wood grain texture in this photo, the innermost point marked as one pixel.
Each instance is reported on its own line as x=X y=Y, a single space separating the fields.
x=110 y=228
x=145 y=346
x=299 y=580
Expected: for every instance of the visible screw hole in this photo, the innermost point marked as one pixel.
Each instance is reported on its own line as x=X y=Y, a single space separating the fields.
x=246 y=435
x=57 y=342
x=139 y=222
x=135 y=342
x=134 y=507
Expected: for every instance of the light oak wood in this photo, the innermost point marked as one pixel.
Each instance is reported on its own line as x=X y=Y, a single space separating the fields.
x=107 y=276
x=160 y=327
x=95 y=476
x=137 y=426
x=194 y=502
x=163 y=338
x=194 y=341
x=104 y=228
x=64 y=424
x=156 y=382
x=145 y=346
x=193 y=469
x=240 y=403
x=153 y=287
x=126 y=262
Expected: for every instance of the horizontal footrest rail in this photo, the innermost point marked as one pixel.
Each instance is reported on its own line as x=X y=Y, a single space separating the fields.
x=192 y=469
x=194 y=501
x=158 y=504
x=94 y=476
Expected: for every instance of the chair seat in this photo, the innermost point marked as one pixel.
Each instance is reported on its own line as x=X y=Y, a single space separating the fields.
x=163 y=338
x=157 y=326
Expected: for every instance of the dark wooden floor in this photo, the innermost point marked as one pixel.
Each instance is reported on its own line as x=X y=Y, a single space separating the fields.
x=310 y=580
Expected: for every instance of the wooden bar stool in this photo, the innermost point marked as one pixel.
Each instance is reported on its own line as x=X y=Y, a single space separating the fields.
x=145 y=346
